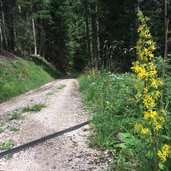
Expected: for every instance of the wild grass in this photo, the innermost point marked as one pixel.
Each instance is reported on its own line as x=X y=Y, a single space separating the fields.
x=111 y=98
x=18 y=115
x=34 y=108
x=6 y=145
x=56 y=89
x=18 y=76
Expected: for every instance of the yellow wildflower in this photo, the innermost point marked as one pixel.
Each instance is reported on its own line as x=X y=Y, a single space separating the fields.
x=154 y=83
x=145 y=131
x=158 y=94
x=164 y=152
x=151 y=66
x=161 y=118
x=150 y=115
x=138 y=127
x=149 y=101
x=157 y=126
x=145 y=90
x=143 y=74
x=153 y=114
x=146 y=115
x=152 y=73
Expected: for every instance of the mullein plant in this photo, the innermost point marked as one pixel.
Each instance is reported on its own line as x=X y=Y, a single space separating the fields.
x=154 y=117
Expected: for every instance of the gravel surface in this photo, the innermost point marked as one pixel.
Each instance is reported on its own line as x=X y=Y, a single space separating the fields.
x=64 y=108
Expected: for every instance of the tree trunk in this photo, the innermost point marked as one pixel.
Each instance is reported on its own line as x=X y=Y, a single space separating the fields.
x=87 y=29
x=1 y=38
x=98 y=37
x=12 y=10
x=166 y=22
x=95 y=36
x=34 y=37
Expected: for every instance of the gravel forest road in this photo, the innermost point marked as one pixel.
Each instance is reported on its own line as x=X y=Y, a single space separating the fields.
x=64 y=109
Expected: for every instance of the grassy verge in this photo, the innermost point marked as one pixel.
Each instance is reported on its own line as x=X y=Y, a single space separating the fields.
x=111 y=98
x=18 y=76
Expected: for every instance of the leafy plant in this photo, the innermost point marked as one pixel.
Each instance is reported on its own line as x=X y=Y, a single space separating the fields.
x=6 y=145
x=154 y=116
x=35 y=108
x=56 y=89
x=1 y=130
x=17 y=115
x=110 y=98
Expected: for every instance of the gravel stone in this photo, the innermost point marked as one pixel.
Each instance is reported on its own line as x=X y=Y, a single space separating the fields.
x=64 y=109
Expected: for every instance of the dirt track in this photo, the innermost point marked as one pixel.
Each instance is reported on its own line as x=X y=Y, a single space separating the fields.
x=63 y=109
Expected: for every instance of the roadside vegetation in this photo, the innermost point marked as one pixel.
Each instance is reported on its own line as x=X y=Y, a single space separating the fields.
x=116 y=111
x=19 y=114
x=131 y=111
x=56 y=89
x=6 y=145
x=18 y=76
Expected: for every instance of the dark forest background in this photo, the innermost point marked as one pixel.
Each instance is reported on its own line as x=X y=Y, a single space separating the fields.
x=78 y=34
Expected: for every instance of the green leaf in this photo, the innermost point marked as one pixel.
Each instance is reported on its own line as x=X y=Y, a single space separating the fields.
x=121 y=145
x=166 y=137
x=161 y=165
x=125 y=135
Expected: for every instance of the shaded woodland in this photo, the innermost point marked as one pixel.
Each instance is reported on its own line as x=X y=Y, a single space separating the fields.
x=78 y=34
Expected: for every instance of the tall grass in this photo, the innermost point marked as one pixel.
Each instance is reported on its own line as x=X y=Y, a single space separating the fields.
x=111 y=98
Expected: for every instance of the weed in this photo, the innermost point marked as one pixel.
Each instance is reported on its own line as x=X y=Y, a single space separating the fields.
x=6 y=145
x=12 y=128
x=56 y=89
x=35 y=108
x=61 y=86
x=1 y=130
x=8 y=157
x=17 y=115
x=110 y=97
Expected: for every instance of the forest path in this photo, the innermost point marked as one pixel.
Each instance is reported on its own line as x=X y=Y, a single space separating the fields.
x=64 y=109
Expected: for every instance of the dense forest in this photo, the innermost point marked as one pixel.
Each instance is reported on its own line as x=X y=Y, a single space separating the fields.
x=76 y=34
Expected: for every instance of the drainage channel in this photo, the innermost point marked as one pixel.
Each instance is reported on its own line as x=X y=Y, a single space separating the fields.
x=41 y=140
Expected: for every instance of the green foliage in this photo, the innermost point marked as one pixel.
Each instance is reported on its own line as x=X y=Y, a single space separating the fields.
x=48 y=67
x=18 y=76
x=17 y=115
x=35 y=108
x=6 y=145
x=56 y=89
x=110 y=97
x=12 y=128
x=1 y=130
